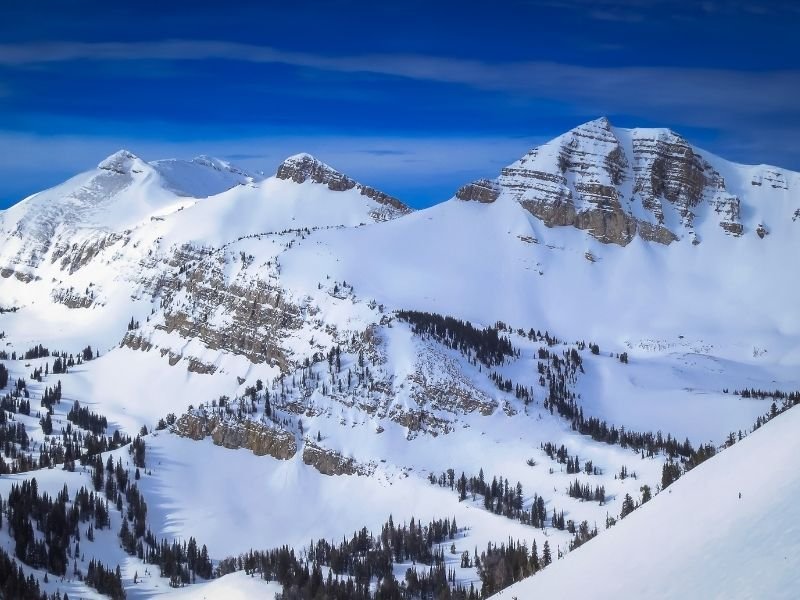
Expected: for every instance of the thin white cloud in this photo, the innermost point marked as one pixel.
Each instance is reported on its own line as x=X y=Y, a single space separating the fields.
x=697 y=96
x=668 y=9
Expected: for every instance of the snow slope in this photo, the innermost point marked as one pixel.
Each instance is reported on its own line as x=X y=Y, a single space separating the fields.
x=751 y=548
x=236 y=586
x=202 y=176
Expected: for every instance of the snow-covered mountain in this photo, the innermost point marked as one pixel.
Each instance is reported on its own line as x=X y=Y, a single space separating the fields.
x=618 y=183
x=293 y=326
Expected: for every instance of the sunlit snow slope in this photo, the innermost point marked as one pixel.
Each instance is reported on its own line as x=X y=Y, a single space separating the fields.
x=746 y=501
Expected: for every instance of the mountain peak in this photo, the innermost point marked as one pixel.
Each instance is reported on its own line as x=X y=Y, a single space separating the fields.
x=123 y=162
x=302 y=156
x=598 y=123
x=303 y=167
x=617 y=184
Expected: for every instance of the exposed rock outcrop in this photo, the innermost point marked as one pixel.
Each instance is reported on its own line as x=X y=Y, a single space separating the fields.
x=771 y=177
x=258 y=313
x=122 y=162
x=330 y=462
x=484 y=191
x=72 y=298
x=261 y=439
x=73 y=257
x=655 y=233
x=304 y=167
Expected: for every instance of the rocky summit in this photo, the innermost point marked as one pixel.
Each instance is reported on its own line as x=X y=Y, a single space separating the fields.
x=619 y=183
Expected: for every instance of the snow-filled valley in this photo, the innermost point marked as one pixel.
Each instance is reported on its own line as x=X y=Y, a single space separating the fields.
x=206 y=357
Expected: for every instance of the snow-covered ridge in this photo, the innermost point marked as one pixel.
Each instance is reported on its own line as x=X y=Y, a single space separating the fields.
x=203 y=176
x=304 y=167
x=125 y=193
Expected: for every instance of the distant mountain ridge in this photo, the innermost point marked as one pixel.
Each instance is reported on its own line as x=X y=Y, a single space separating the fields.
x=642 y=205
x=615 y=184
x=125 y=192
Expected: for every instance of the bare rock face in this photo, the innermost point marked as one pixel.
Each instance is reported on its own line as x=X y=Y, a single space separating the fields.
x=573 y=182
x=665 y=167
x=655 y=233
x=484 y=191
x=330 y=462
x=304 y=167
x=261 y=439
x=616 y=184
x=72 y=298
x=198 y=366
x=194 y=427
x=73 y=257
x=728 y=209
x=605 y=220
x=259 y=315
x=135 y=341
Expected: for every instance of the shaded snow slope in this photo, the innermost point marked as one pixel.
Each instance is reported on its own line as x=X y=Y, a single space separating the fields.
x=751 y=548
x=202 y=176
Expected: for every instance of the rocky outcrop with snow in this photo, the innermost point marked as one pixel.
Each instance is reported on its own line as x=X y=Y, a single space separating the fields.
x=261 y=439
x=619 y=183
x=304 y=167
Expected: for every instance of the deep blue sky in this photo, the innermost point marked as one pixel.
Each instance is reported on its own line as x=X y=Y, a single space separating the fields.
x=413 y=97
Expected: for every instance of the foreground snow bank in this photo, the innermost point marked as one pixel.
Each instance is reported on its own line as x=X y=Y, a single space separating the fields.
x=751 y=548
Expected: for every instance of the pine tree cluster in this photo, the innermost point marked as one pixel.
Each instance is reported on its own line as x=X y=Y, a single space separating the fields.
x=355 y=564
x=14 y=584
x=487 y=345
x=503 y=565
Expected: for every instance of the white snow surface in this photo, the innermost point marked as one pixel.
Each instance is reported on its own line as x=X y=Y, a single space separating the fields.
x=744 y=501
